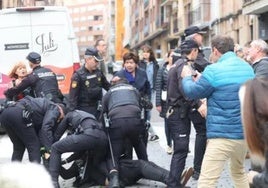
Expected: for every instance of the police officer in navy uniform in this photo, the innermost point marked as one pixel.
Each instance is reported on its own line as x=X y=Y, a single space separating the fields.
x=88 y=134
x=42 y=80
x=199 y=64
x=196 y=34
x=122 y=105
x=87 y=83
x=181 y=112
x=30 y=123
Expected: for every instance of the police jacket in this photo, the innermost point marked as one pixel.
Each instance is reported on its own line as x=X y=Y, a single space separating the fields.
x=43 y=83
x=141 y=82
x=45 y=115
x=261 y=67
x=175 y=94
x=122 y=101
x=73 y=121
x=86 y=88
x=201 y=62
x=143 y=65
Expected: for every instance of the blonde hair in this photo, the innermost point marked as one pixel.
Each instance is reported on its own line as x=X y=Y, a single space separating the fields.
x=12 y=73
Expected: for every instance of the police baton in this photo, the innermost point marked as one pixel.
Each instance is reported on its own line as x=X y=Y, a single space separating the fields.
x=107 y=125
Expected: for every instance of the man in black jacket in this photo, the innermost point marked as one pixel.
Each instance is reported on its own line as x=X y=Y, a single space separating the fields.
x=194 y=33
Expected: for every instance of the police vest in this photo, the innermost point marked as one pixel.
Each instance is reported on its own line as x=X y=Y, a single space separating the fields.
x=47 y=84
x=123 y=94
x=90 y=87
x=78 y=116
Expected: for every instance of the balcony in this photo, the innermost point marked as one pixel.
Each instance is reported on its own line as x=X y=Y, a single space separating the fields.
x=167 y=2
x=255 y=6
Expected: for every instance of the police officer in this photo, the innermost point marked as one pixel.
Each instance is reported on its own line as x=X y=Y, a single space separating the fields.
x=28 y=121
x=87 y=83
x=137 y=77
x=122 y=104
x=181 y=112
x=199 y=64
x=196 y=34
x=43 y=81
x=88 y=134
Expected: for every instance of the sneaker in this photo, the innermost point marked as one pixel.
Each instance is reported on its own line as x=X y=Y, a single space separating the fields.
x=186 y=175
x=196 y=175
x=169 y=150
x=154 y=138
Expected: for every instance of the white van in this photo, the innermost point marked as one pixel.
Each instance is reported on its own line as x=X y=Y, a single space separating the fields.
x=45 y=30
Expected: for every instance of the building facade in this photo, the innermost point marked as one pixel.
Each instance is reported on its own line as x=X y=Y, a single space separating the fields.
x=127 y=25
x=89 y=21
x=161 y=23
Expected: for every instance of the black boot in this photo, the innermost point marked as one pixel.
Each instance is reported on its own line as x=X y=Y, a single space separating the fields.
x=113 y=179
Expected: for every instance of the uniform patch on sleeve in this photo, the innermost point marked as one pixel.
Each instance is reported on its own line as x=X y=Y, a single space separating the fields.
x=74 y=84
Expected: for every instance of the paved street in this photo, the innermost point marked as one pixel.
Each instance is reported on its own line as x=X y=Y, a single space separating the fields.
x=156 y=153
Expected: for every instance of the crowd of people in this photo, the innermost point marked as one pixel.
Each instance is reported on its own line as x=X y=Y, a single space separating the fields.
x=223 y=98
